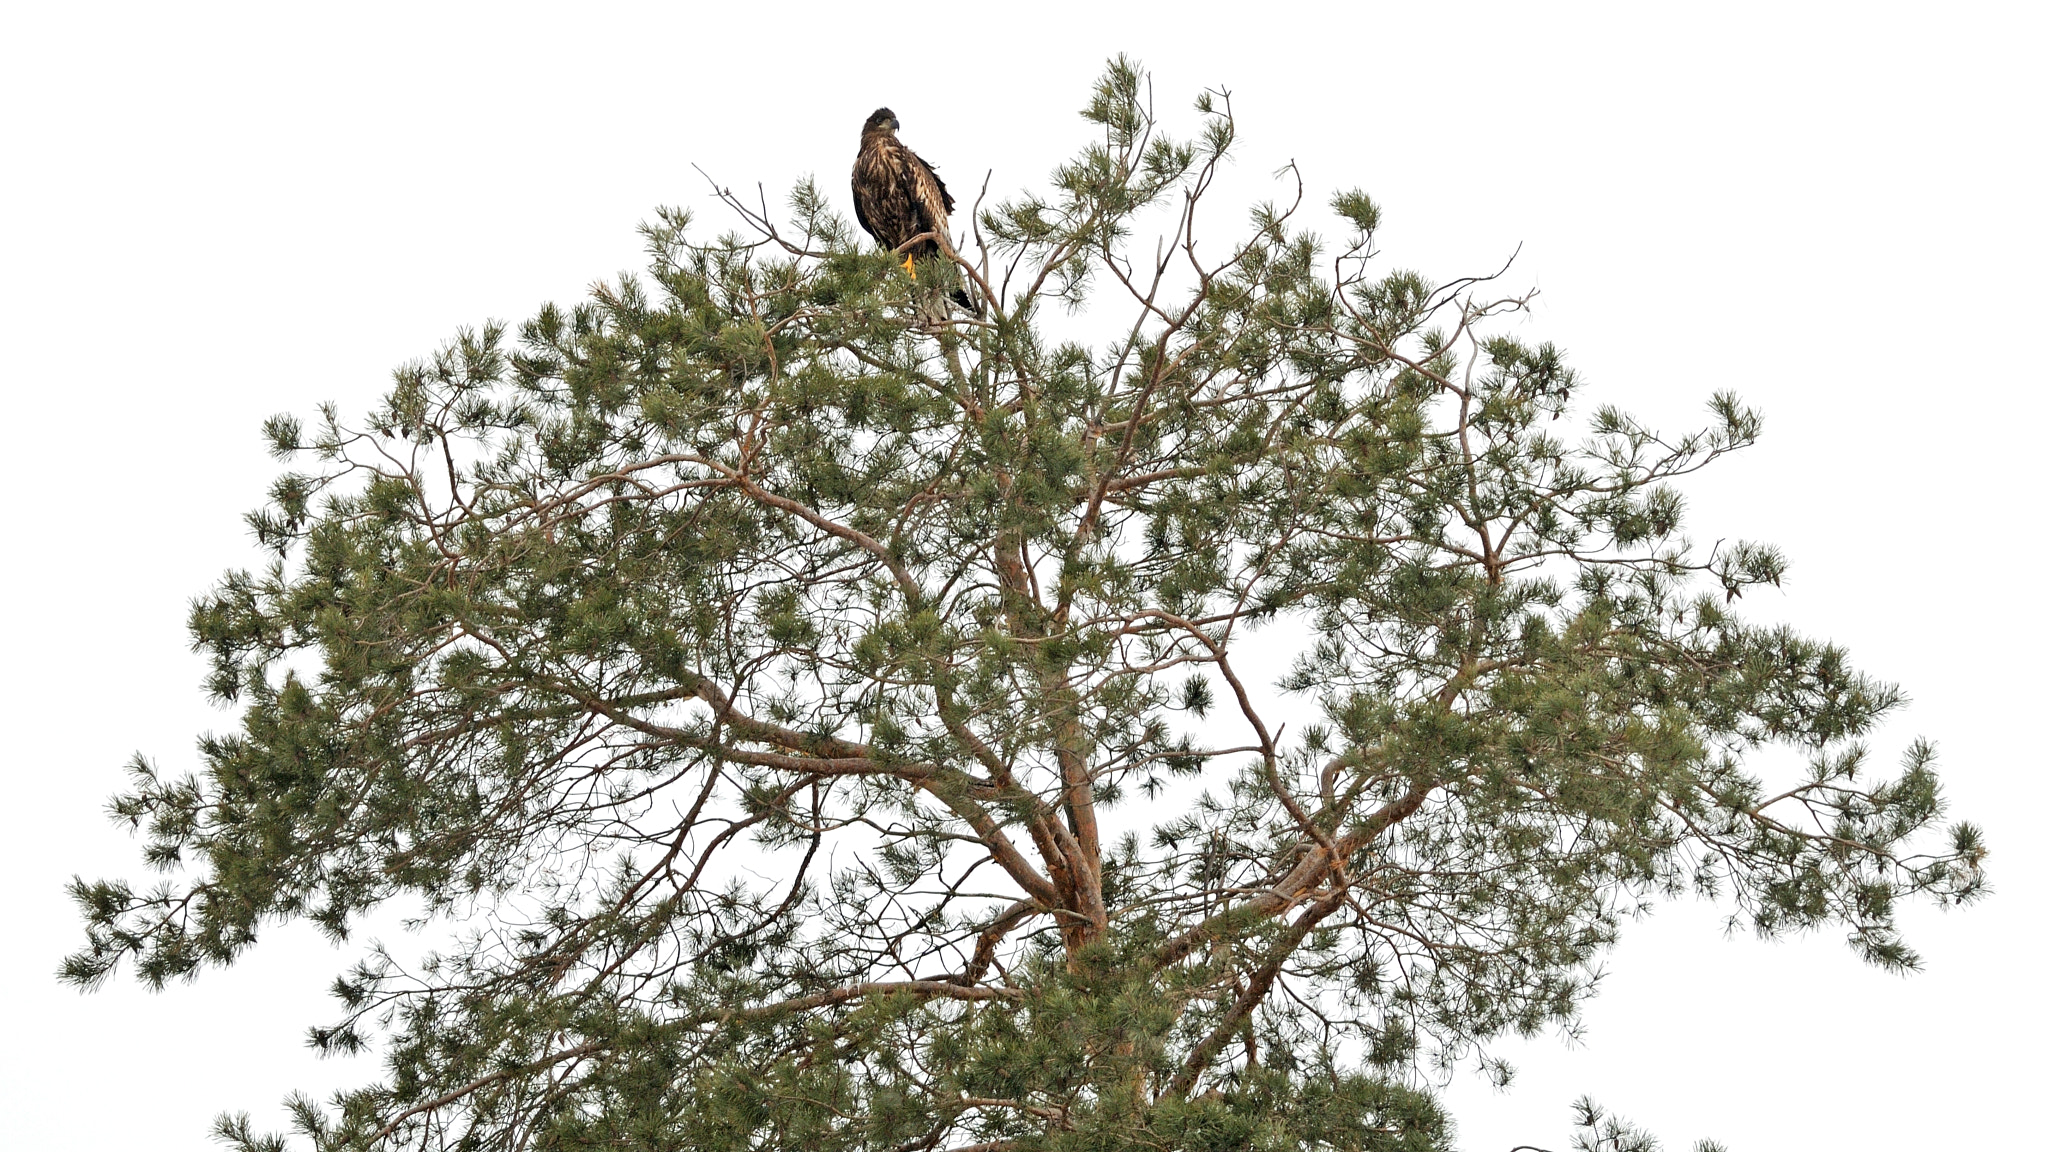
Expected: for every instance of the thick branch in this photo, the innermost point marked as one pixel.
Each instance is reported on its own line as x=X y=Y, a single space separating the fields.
x=1261 y=983
x=1315 y=865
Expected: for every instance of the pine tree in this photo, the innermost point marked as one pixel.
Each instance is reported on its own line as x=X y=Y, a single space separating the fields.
x=826 y=715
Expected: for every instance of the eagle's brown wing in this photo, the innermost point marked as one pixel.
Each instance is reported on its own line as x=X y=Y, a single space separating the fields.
x=935 y=206
x=928 y=190
x=860 y=202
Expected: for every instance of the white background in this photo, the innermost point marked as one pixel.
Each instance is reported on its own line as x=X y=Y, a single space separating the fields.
x=211 y=214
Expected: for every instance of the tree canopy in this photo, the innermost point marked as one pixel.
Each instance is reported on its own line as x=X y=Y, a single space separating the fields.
x=1185 y=706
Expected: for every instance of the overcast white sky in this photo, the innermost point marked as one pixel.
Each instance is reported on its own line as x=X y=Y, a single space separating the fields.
x=209 y=214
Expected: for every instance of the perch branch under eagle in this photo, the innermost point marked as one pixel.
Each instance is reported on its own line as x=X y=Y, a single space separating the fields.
x=899 y=199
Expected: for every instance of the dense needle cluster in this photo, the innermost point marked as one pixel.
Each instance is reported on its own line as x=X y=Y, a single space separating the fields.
x=825 y=726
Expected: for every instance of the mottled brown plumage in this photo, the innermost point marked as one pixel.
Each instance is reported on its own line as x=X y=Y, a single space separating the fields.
x=896 y=195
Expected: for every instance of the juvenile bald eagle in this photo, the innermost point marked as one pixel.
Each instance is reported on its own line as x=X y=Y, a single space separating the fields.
x=897 y=196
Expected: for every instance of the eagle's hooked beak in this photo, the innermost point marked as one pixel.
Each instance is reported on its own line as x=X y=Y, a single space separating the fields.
x=895 y=125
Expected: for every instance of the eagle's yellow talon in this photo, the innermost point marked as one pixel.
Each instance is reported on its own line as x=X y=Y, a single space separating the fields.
x=910 y=266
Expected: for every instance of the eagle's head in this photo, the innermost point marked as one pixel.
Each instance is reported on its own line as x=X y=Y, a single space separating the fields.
x=882 y=121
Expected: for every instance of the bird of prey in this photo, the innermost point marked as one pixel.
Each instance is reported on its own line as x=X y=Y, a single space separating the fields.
x=897 y=196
